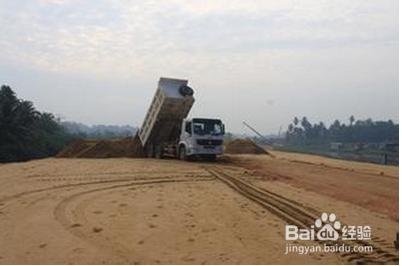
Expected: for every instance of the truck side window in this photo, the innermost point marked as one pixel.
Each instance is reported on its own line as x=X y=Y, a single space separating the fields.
x=188 y=127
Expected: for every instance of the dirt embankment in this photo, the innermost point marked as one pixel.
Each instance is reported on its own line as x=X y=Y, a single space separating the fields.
x=131 y=147
x=128 y=147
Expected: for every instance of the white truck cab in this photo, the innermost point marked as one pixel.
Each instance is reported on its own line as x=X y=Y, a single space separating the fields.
x=201 y=137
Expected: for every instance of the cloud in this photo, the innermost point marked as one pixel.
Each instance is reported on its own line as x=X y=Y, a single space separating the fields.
x=84 y=36
x=231 y=46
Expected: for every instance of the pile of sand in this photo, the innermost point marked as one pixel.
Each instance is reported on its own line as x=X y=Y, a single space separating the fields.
x=128 y=147
x=243 y=146
x=131 y=147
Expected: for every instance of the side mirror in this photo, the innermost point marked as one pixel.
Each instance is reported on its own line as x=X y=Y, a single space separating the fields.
x=223 y=129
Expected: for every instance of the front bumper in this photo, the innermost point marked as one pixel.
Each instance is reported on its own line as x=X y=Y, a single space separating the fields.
x=200 y=150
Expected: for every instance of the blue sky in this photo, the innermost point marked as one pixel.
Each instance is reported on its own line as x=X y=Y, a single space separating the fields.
x=98 y=62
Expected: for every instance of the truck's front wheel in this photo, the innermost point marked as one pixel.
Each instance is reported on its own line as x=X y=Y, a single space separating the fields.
x=159 y=152
x=182 y=153
x=150 y=151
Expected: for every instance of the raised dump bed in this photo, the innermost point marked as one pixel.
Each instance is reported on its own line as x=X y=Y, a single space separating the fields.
x=171 y=104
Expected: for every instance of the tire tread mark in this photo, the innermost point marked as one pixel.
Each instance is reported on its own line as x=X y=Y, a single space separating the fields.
x=25 y=193
x=294 y=214
x=60 y=210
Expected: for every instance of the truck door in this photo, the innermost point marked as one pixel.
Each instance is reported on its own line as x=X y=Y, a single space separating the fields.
x=187 y=130
x=186 y=133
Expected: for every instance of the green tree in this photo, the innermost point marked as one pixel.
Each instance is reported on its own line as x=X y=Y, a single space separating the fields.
x=358 y=131
x=296 y=121
x=351 y=120
x=26 y=133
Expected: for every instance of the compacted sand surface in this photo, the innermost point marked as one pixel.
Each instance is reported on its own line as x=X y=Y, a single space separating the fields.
x=371 y=186
x=137 y=211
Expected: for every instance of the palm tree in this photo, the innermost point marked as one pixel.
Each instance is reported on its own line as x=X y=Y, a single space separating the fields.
x=296 y=121
x=8 y=105
x=26 y=133
x=16 y=120
x=352 y=120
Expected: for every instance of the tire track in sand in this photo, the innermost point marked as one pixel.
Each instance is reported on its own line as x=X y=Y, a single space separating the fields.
x=294 y=213
x=61 y=213
x=73 y=185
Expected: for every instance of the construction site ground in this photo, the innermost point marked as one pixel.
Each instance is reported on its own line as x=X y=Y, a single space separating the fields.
x=148 y=211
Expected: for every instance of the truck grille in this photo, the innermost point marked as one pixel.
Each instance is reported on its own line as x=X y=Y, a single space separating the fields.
x=214 y=142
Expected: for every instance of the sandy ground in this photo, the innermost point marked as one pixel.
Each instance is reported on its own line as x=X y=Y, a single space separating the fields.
x=371 y=186
x=137 y=211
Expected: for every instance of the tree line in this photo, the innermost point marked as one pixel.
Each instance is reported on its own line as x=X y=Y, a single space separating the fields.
x=26 y=133
x=301 y=131
x=98 y=131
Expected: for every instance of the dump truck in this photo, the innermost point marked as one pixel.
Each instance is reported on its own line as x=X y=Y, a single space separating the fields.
x=166 y=131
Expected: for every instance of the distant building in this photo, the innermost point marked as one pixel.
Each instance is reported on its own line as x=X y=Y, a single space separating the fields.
x=358 y=146
x=391 y=147
x=336 y=146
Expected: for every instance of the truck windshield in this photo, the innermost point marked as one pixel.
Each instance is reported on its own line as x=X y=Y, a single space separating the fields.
x=208 y=127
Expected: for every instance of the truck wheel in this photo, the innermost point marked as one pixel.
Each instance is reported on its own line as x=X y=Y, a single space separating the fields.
x=182 y=153
x=211 y=157
x=159 y=152
x=150 y=151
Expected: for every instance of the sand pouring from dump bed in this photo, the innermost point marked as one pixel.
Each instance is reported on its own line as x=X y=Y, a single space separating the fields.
x=243 y=146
